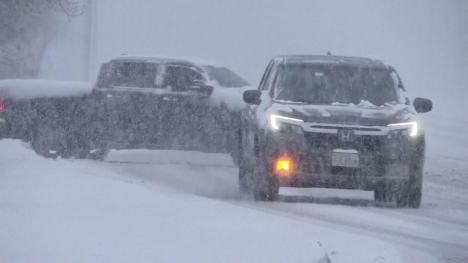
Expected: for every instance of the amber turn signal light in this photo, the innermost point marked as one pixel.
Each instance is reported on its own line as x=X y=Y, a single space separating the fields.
x=283 y=166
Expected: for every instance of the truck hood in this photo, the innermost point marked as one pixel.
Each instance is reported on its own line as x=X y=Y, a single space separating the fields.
x=362 y=114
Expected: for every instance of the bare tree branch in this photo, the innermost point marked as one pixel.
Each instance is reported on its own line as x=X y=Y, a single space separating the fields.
x=26 y=27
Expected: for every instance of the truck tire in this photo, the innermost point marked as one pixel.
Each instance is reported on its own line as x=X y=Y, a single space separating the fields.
x=243 y=179
x=380 y=193
x=384 y=192
x=42 y=143
x=410 y=195
x=98 y=154
x=266 y=186
x=234 y=135
x=244 y=170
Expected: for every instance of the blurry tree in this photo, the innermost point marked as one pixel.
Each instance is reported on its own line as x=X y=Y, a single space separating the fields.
x=26 y=28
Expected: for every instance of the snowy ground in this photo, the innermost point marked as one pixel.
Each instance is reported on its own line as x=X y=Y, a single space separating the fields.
x=168 y=206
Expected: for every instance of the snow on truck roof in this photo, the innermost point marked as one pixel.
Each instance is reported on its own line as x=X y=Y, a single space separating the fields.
x=166 y=59
x=24 y=89
x=332 y=60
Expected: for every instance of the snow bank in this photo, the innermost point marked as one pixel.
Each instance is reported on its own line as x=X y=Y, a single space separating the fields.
x=23 y=89
x=81 y=211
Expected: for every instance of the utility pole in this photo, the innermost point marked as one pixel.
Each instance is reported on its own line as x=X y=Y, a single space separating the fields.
x=87 y=43
x=91 y=35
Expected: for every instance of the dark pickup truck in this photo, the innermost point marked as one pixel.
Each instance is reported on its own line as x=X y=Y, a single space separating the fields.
x=160 y=103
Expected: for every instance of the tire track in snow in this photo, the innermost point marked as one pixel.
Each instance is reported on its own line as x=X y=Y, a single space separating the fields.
x=172 y=163
x=220 y=182
x=440 y=249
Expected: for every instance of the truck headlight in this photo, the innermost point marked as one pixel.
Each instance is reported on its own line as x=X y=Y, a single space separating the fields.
x=412 y=126
x=276 y=120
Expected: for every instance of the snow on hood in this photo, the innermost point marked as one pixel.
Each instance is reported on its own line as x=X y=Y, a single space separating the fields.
x=364 y=113
x=23 y=89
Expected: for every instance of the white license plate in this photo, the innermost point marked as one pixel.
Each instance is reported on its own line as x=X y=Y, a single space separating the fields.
x=345 y=159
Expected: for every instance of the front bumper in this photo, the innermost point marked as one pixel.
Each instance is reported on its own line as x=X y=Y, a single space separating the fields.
x=380 y=160
x=341 y=181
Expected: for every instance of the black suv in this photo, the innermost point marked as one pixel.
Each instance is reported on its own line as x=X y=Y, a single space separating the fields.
x=332 y=122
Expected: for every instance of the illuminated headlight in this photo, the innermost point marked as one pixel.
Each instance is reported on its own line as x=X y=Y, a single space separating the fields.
x=276 y=122
x=412 y=126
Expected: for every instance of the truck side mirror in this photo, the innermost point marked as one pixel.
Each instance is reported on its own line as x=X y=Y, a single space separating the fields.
x=252 y=97
x=422 y=105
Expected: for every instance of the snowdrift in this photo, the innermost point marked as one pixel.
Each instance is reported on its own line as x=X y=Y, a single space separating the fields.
x=81 y=211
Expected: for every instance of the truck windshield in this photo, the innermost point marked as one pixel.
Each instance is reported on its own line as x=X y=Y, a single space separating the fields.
x=341 y=84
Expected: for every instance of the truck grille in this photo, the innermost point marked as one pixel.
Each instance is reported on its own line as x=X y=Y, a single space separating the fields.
x=362 y=143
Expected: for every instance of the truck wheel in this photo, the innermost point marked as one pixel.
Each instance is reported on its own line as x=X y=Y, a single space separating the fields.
x=380 y=193
x=415 y=195
x=243 y=179
x=244 y=171
x=384 y=192
x=266 y=187
x=411 y=194
x=235 y=150
x=43 y=145
x=97 y=154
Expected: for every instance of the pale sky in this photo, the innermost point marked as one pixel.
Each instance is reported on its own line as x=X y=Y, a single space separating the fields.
x=426 y=40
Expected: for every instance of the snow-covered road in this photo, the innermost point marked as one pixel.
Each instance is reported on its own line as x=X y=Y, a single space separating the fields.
x=169 y=206
x=439 y=227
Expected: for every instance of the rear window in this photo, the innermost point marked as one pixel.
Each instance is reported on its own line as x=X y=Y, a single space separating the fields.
x=128 y=74
x=149 y=75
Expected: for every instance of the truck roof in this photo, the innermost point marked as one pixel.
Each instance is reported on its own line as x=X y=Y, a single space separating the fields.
x=332 y=60
x=163 y=59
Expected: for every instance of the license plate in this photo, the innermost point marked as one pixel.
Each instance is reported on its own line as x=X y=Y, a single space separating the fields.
x=345 y=158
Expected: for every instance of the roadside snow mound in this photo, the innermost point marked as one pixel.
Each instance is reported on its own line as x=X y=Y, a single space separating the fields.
x=24 y=89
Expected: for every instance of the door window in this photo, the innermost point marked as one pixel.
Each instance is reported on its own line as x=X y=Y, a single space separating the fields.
x=179 y=78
